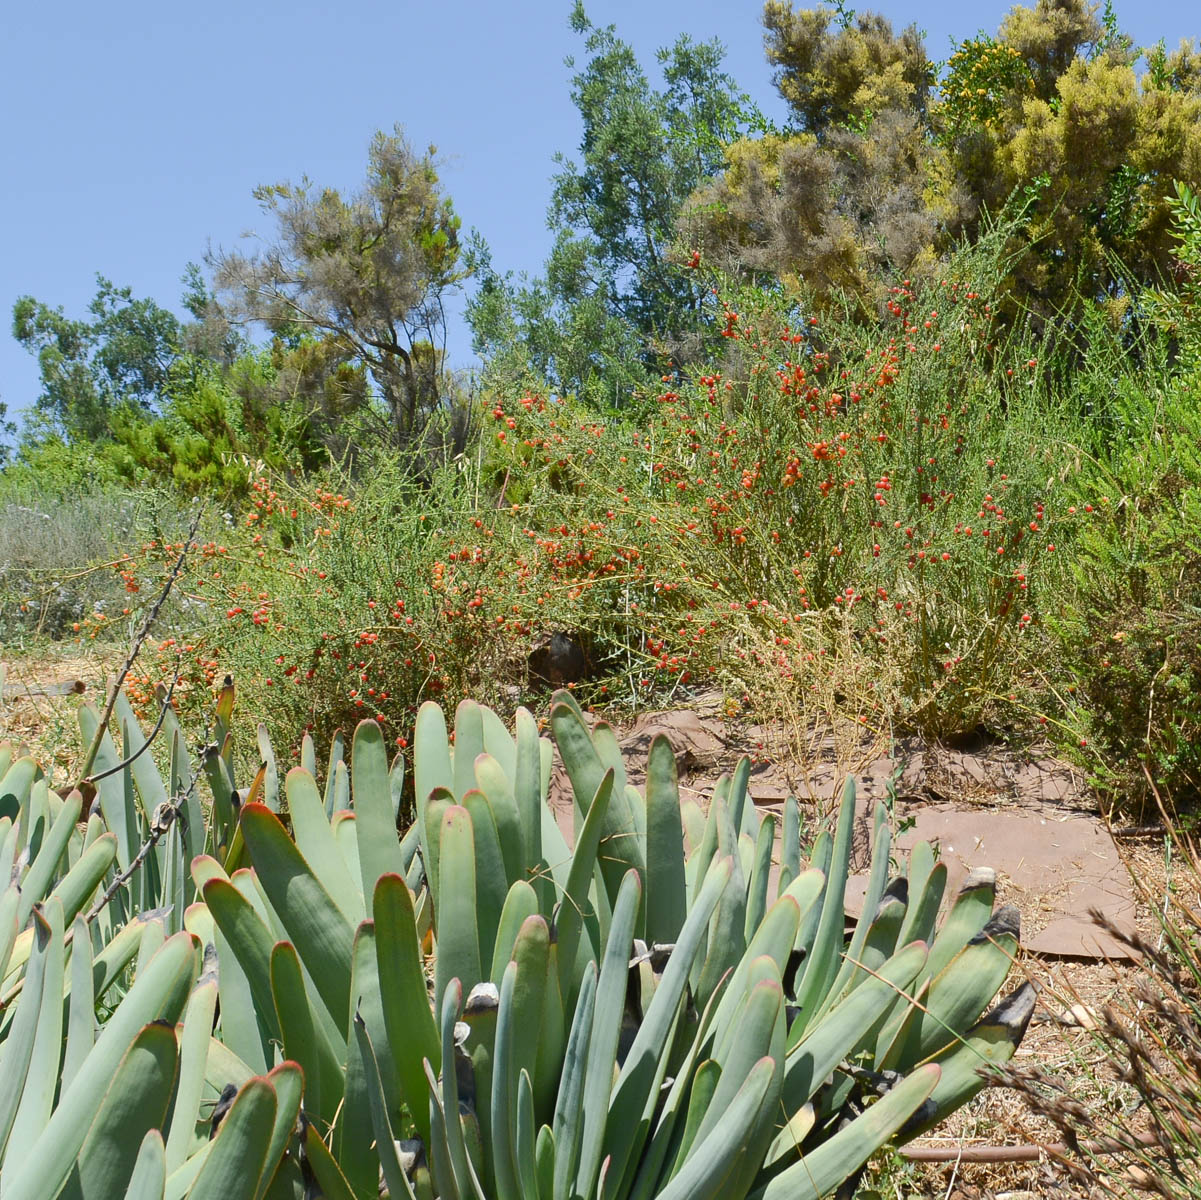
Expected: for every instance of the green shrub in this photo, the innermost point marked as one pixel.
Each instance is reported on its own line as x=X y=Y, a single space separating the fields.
x=1132 y=637
x=871 y=513
x=72 y=556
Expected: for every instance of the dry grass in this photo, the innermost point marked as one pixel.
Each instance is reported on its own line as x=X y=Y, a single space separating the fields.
x=35 y=715
x=1054 y=1048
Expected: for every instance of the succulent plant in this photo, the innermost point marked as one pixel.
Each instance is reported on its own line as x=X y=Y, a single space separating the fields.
x=669 y=1006
x=602 y=1005
x=88 y=1112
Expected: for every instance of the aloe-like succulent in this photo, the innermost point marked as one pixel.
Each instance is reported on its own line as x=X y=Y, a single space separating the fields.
x=115 y=1110
x=594 y=1009
x=668 y=1006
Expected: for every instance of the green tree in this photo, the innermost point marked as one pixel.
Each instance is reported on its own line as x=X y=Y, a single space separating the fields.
x=285 y=406
x=8 y=430
x=612 y=300
x=119 y=357
x=854 y=191
x=367 y=273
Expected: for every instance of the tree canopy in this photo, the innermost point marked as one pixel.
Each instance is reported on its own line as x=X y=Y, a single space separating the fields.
x=612 y=293
x=118 y=358
x=369 y=271
x=887 y=161
x=890 y=159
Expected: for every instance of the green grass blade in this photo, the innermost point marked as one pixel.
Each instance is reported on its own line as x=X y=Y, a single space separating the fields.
x=431 y=754
x=532 y=999
x=352 y=1130
x=584 y=767
x=968 y=983
x=325 y=1170
x=790 y=843
x=465 y=1181
x=498 y=742
x=504 y=1115
x=969 y=913
x=526 y=1153
x=992 y=1041
x=520 y=904
x=759 y=1032
x=10 y=898
x=876 y=883
x=431 y=775
x=41 y=1080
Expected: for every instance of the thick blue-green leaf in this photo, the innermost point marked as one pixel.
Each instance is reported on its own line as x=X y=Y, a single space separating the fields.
x=408 y=1019
x=375 y=822
x=238 y=1155
x=158 y=994
x=149 y=1178
x=316 y=926
x=193 y=1059
x=316 y=842
x=135 y=1102
x=455 y=906
x=666 y=889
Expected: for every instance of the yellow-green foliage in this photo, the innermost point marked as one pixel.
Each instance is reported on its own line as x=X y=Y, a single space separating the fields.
x=884 y=170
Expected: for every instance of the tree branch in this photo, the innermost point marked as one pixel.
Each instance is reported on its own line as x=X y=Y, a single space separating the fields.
x=90 y=758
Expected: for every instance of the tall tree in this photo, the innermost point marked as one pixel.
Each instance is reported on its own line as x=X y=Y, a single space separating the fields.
x=612 y=290
x=7 y=430
x=836 y=69
x=370 y=272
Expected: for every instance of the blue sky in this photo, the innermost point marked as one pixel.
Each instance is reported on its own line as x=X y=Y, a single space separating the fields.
x=133 y=132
